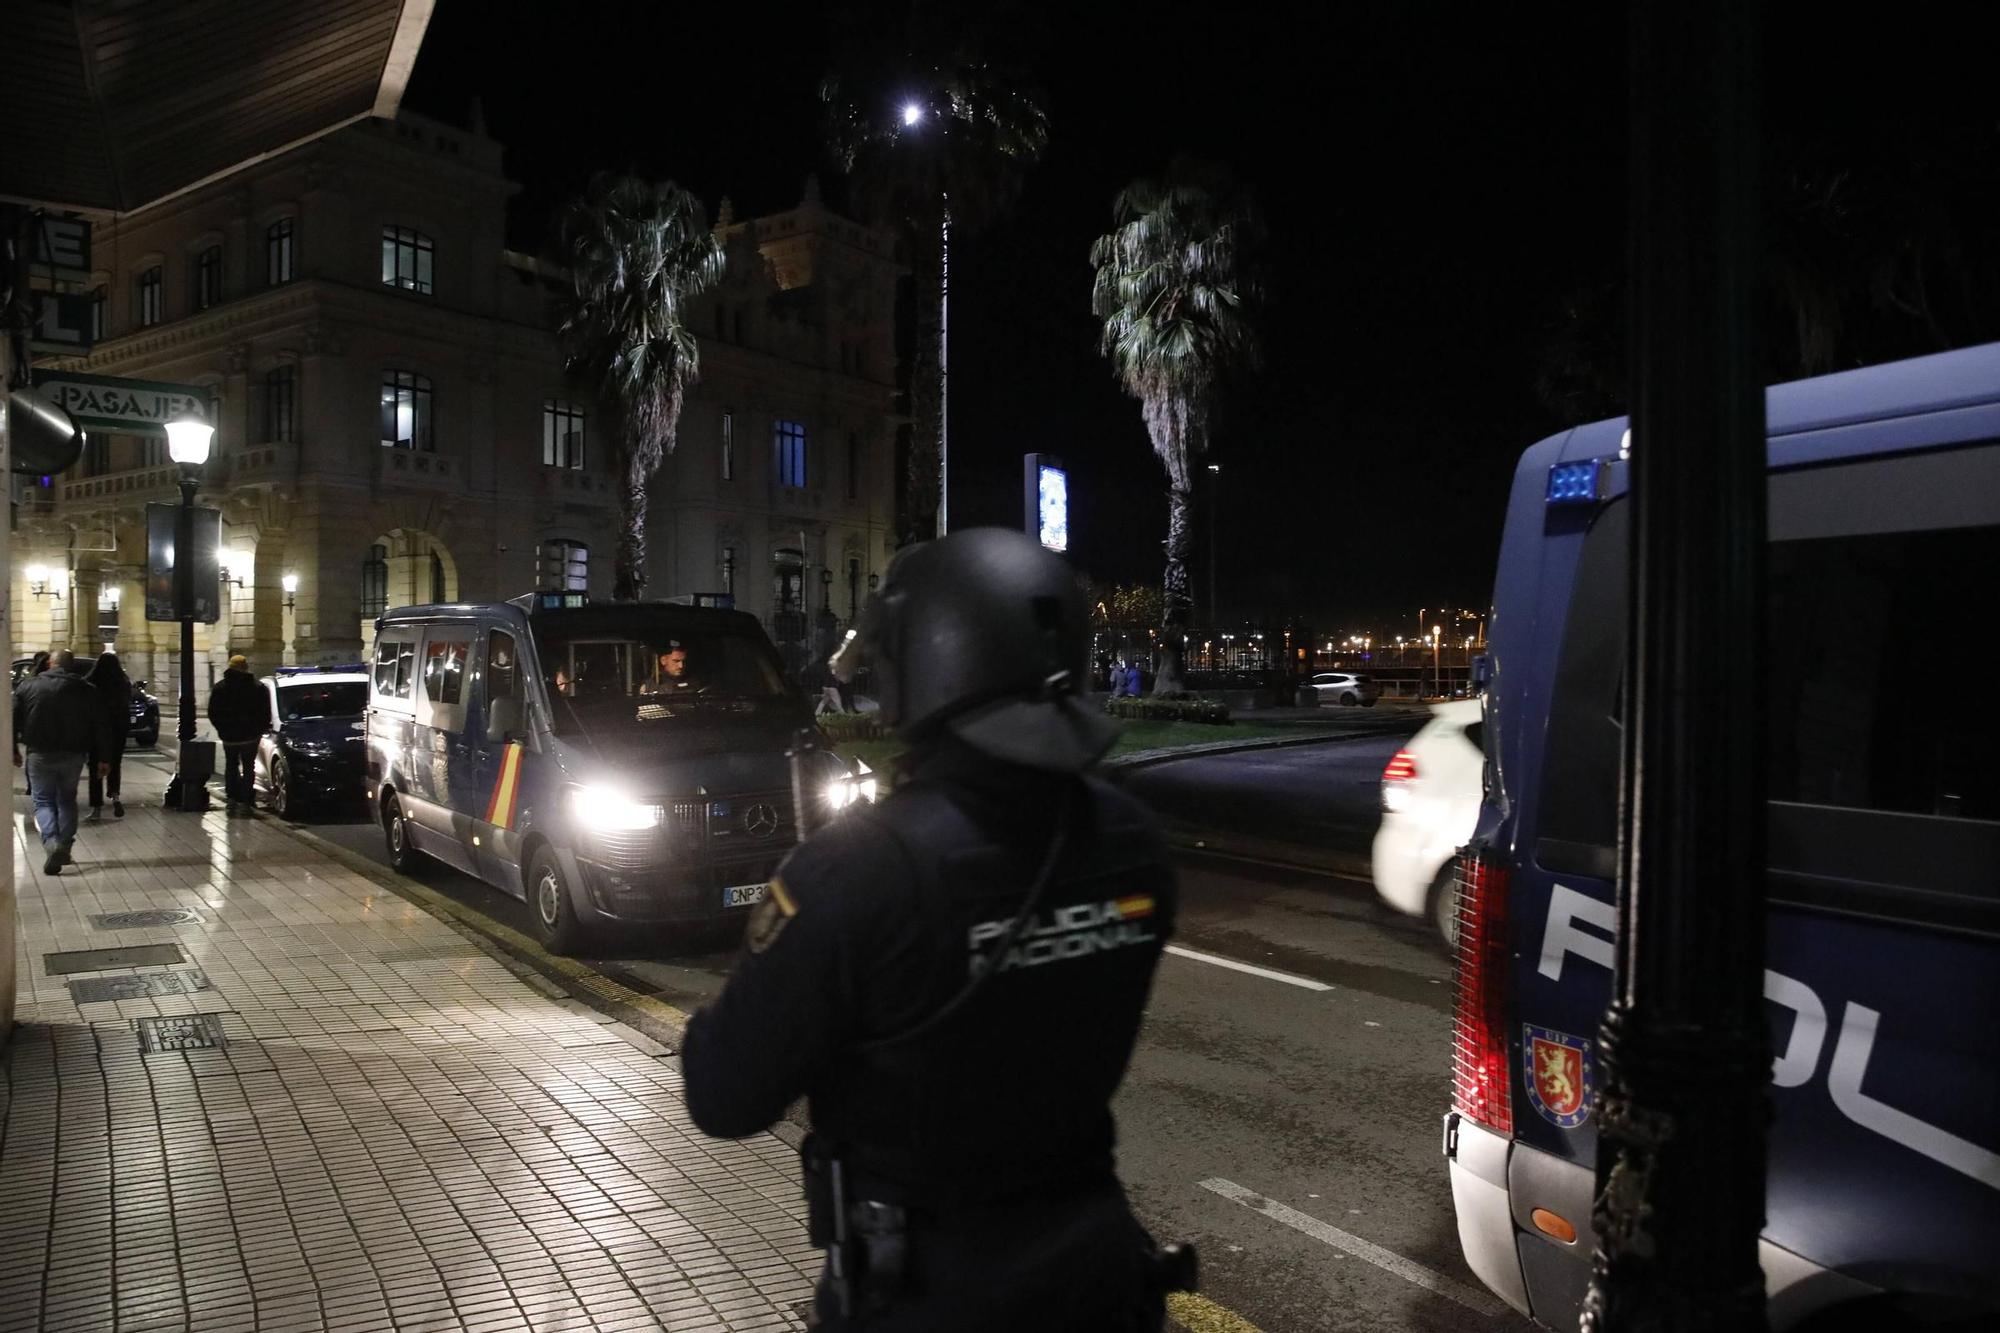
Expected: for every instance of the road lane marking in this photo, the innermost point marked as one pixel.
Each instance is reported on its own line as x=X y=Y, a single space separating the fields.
x=1198 y=1314
x=1306 y=982
x=1387 y=1260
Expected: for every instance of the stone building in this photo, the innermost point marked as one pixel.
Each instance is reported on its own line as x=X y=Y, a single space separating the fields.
x=395 y=426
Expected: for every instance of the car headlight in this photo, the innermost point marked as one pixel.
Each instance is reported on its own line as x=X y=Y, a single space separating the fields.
x=855 y=787
x=314 y=749
x=609 y=810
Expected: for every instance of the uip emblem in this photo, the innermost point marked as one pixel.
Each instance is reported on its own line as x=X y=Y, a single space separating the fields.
x=1561 y=1075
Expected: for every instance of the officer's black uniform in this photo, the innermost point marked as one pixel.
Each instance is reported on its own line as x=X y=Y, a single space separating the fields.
x=991 y=1130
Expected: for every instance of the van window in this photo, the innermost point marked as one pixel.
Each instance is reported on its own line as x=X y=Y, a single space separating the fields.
x=444 y=669
x=394 y=660
x=1882 y=789
x=503 y=672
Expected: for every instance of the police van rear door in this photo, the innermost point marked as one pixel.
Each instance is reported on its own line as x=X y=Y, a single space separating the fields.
x=1884 y=931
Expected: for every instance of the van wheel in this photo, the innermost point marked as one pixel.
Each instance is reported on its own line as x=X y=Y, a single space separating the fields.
x=404 y=857
x=1443 y=905
x=551 y=908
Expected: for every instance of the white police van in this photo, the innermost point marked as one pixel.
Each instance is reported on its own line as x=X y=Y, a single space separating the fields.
x=614 y=765
x=1883 y=974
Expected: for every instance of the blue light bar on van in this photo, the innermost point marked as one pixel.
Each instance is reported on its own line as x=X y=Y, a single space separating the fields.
x=560 y=601
x=1576 y=483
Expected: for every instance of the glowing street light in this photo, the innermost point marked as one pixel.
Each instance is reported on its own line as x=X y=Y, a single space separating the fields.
x=912 y=113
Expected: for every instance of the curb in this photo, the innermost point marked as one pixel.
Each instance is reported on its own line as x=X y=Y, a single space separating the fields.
x=1144 y=758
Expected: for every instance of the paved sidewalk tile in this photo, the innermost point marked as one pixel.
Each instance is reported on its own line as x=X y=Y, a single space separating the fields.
x=393 y=1130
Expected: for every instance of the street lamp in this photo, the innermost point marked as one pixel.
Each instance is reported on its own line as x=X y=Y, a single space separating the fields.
x=1214 y=535
x=913 y=114
x=291 y=586
x=188 y=439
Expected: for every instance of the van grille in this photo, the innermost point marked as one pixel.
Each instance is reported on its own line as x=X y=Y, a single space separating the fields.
x=714 y=828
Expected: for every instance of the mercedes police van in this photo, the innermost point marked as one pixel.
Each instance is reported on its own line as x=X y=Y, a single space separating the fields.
x=613 y=765
x=1883 y=980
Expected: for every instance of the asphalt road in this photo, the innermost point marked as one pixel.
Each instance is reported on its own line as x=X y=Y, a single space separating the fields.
x=1320 y=1103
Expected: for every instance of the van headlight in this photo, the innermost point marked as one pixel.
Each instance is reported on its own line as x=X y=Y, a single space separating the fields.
x=852 y=789
x=609 y=810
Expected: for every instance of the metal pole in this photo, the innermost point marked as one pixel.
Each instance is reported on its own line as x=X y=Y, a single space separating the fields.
x=184 y=603
x=944 y=373
x=1214 y=538
x=1685 y=1053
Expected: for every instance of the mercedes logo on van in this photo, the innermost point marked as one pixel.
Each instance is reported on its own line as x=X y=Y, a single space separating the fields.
x=760 y=820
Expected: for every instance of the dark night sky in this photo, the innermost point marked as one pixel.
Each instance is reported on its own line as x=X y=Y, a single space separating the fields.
x=1432 y=175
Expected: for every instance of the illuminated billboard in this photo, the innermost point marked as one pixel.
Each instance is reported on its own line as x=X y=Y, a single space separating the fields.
x=1045 y=497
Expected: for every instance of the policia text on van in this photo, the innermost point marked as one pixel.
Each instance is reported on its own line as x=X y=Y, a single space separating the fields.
x=1883 y=935
x=611 y=764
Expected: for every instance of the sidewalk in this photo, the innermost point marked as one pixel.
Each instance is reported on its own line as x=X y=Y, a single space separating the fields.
x=301 y=1102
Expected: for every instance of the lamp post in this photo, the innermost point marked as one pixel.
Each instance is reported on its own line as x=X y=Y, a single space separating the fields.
x=187 y=444
x=1214 y=537
x=913 y=114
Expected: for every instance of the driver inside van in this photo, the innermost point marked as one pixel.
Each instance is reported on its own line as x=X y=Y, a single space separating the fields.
x=673 y=671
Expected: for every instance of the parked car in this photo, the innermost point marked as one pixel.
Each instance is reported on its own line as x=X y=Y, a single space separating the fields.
x=145 y=708
x=315 y=752
x=1344 y=688
x=145 y=716
x=1430 y=803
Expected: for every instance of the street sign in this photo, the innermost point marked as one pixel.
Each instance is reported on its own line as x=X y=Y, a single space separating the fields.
x=61 y=324
x=62 y=245
x=133 y=407
x=160 y=557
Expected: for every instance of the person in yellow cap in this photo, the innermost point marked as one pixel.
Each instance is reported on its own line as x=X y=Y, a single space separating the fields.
x=239 y=712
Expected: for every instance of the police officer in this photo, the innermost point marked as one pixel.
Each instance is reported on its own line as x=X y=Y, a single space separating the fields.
x=955 y=977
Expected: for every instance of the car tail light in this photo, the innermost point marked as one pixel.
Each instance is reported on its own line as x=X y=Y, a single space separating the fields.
x=1402 y=768
x=1481 y=1076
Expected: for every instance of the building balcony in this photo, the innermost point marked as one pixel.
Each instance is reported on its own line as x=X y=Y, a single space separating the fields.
x=136 y=485
x=255 y=465
x=571 y=485
x=411 y=467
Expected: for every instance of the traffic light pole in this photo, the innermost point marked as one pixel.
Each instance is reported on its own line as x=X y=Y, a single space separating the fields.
x=1684 y=1048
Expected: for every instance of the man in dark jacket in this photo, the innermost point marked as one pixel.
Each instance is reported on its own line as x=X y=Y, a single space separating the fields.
x=955 y=977
x=58 y=718
x=240 y=712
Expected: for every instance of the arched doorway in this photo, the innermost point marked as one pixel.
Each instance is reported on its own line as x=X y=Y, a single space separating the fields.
x=404 y=567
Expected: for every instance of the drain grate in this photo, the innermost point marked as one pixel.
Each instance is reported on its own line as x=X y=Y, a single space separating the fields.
x=190 y=1032
x=156 y=916
x=136 y=986
x=108 y=960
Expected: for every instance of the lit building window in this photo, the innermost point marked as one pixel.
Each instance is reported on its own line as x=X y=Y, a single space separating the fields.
x=281 y=405
x=790 y=438
x=562 y=434
x=406 y=260
x=565 y=566
x=107 y=612
x=278 y=252
x=208 y=277
x=406 y=411
x=150 y=291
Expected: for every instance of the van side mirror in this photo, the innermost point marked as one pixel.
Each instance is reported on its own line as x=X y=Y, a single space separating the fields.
x=503 y=720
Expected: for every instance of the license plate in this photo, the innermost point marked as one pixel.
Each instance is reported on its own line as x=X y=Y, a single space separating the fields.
x=744 y=895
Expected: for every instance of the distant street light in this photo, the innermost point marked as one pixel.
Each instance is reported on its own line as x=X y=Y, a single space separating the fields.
x=1214 y=535
x=912 y=113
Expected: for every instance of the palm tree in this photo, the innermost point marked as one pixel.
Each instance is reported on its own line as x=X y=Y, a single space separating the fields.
x=1176 y=290
x=938 y=154
x=638 y=256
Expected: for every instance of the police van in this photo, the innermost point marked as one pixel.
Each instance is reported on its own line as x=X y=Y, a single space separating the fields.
x=1883 y=980
x=613 y=765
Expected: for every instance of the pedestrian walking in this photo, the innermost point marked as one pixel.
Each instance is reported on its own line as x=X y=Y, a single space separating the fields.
x=58 y=720
x=107 y=768
x=955 y=977
x=240 y=713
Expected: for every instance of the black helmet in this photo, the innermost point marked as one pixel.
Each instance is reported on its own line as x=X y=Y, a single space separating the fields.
x=986 y=635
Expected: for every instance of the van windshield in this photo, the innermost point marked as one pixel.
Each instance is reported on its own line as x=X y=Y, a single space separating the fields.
x=646 y=664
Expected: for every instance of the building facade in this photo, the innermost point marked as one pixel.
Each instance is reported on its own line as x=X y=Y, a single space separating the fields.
x=394 y=424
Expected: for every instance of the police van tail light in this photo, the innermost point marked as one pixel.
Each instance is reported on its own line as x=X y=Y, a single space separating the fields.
x=1480 y=1071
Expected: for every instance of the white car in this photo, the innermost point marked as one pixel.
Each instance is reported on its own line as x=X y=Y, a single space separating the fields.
x=1430 y=802
x=1343 y=687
